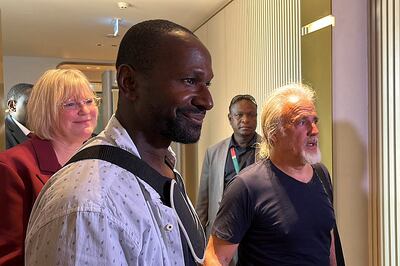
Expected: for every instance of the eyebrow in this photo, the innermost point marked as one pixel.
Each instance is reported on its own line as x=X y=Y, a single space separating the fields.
x=300 y=117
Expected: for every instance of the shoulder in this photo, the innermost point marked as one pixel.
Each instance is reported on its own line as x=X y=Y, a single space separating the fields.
x=256 y=171
x=20 y=153
x=8 y=121
x=89 y=185
x=322 y=170
x=223 y=144
x=255 y=177
x=80 y=187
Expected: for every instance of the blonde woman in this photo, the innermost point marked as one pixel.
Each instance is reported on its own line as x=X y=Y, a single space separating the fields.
x=62 y=112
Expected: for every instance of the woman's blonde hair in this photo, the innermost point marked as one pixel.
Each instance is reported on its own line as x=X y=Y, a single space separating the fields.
x=272 y=114
x=53 y=88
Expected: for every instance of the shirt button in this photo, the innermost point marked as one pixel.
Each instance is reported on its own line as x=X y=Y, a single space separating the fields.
x=168 y=227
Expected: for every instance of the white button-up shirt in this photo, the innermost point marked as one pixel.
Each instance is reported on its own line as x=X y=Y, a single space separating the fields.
x=92 y=212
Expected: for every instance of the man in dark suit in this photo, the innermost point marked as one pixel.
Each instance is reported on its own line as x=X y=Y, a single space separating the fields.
x=15 y=122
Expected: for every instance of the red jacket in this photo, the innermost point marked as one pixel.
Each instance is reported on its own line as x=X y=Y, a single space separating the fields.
x=24 y=169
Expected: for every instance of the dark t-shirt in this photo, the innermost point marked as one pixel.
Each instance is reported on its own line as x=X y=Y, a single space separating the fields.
x=276 y=219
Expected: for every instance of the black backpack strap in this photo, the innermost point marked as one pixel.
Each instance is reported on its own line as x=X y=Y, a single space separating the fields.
x=162 y=185
x=129 y=162
x=325 y=178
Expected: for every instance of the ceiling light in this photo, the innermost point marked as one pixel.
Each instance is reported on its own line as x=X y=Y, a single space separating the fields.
x=123 y=5
x=115 y=23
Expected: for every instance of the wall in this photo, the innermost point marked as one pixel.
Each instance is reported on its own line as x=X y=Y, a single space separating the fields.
x=385 y=131
x=350 y=126
x=28 y=69
x=316 y=70
x=255 y=49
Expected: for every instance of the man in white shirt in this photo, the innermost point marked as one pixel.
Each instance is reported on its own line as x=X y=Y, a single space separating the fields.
x=93 y=212
x=15 y=121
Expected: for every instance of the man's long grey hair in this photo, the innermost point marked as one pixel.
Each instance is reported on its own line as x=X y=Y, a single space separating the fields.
x=272 y=114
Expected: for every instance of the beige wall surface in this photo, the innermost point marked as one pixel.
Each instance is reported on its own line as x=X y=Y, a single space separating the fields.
x=350 y=126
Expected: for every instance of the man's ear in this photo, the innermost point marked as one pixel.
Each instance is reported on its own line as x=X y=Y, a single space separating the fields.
x=11 y=105
x=126 y=79
x=273 y=138
x=229 y=117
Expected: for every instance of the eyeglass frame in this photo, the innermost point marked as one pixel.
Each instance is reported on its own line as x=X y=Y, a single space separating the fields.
x=77 y=104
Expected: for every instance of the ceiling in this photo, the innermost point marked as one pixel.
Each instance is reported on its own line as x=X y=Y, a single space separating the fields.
x=78 y=29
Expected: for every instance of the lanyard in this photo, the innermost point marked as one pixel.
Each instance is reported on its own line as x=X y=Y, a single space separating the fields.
x=235 y=160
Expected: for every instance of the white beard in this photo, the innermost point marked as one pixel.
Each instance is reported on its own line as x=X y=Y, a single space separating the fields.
x=311 y=158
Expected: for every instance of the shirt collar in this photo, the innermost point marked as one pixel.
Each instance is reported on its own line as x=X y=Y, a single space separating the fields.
x=253 y=142
x=120 y=136
x=21 y=126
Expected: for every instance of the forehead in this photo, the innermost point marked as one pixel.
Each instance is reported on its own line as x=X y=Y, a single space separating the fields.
x=182 y=49
x=243 y=105
x=77 y=93
x=297 y=108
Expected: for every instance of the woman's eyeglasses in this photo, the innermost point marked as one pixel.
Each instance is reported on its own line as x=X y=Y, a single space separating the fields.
x=75 y=105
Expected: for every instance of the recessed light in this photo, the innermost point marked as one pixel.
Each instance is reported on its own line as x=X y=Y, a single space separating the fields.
x=123 y=5
x=99 y=45
x=114 y=45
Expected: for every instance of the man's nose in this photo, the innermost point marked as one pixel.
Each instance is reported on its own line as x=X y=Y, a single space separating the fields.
x=204 y=98
x=314 y=129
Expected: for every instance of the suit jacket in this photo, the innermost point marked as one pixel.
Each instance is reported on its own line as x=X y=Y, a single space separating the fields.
x=212 y=182
x=14 y=134
x=24 y=169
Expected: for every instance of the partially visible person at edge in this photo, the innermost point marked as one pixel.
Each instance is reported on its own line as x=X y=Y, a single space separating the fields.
x=62 y=113
x=278 y=211
x=111 y=216
x=15 y=121
x=237 y=152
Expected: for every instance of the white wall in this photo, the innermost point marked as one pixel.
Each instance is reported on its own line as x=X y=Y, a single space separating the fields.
x=19 y=69
x=350 y=126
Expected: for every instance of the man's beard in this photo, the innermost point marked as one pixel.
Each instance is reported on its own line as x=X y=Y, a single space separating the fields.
x=181 y=130
x=311 y=157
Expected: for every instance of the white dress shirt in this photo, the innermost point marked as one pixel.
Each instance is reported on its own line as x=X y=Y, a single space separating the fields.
x=92 y=212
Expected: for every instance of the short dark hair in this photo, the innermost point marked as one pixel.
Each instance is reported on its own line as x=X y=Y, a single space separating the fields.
x=18 y=90
x=139 y=45
x=240 y=97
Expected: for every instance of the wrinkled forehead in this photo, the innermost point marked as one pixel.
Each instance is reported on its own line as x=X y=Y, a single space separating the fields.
x=297 y=107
